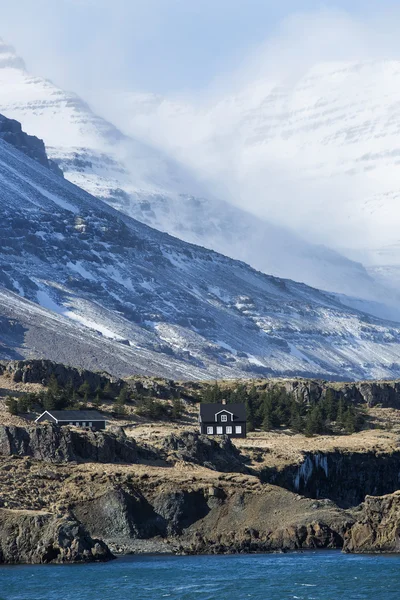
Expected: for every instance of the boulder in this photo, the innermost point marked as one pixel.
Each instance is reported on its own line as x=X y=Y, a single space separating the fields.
x=219 y=455
x=41 y=538
x=377 y=528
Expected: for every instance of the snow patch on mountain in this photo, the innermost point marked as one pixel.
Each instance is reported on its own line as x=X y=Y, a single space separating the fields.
x=148 y=185
x=105 y=291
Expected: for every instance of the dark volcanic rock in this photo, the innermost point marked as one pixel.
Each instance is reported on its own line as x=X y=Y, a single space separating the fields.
x=11 y=132
x=343 y=476
x=62 y=444
x=377 y=528
x=372 y=393
x=180 y=509
x=29 y=537
x=40 y=371
x=193 y=447
x=119 y=516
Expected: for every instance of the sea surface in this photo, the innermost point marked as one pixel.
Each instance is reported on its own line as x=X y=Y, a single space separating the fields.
x=303 y=576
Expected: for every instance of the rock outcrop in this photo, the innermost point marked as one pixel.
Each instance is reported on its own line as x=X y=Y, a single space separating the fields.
x=372 y=393
x=343 y=476
x=11 y=132
x=41 y=538
x=40 y=371
x=220 y=455
x=54 y=444
x=119 y=516
x=377 y=528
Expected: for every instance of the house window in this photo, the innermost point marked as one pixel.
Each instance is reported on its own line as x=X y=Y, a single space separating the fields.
x=238 y=429
x=224 y=418
x=228 y=429
x=77 y=423
x=220 y=430
x=84 y=424
x=210 y=430
x=90 y=423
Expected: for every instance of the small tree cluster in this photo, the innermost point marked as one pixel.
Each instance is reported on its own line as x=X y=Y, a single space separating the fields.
x=56 y=397
x=276 y=408
x=156 y=410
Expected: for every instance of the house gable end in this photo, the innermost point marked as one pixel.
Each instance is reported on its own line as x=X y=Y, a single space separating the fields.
x=43 y=416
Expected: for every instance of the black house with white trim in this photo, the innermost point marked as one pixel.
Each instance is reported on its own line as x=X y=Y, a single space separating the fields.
x=223 y=419
x=79 y=418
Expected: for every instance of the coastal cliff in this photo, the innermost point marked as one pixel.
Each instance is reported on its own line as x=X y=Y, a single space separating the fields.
x=176 y=496
x=41 y=537
x=377 y=528
x=148 y=485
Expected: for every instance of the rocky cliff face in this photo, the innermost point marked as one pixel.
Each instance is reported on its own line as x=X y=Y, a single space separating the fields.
x=191 y=495
x=372 y=393
x=204 y=519
x=220 y=455
x=344 y=477
x=377 y=527
x=29 y=537
x=11 y=132
x=62 y=444
x=40 y=371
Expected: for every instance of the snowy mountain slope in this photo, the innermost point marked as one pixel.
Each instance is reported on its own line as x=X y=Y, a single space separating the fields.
x=325 y=143
x=83 y=283
x=144 y=184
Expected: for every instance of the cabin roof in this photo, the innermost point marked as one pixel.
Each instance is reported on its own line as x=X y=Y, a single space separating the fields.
x=208 y=411
x=75 y=415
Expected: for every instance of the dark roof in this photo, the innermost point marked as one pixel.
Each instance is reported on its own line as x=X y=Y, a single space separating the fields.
x=76 y=415
x=208 y=411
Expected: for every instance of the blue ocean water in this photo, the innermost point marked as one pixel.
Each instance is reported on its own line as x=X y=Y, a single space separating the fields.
x=302 y=576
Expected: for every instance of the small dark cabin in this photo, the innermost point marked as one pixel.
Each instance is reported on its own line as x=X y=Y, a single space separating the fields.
x=223 y=419
x=79 y=418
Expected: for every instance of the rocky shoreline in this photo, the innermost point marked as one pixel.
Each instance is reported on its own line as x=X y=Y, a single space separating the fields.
x=74 y=496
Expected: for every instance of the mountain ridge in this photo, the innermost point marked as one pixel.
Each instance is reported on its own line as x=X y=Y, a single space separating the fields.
x=142 y=182
x=84 y=283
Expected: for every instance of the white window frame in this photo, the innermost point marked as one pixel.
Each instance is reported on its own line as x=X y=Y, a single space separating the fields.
x=83 y=423
x=220 y=430
x=238 y=429
x=90 y=424
x=210 y=430
x=224 y=418
x=77 y=423
x=229 y=429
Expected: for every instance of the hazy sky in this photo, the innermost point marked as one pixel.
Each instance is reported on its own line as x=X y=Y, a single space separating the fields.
x=162 y=46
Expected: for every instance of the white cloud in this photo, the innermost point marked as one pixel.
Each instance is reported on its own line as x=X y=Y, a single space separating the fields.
x=286 y=134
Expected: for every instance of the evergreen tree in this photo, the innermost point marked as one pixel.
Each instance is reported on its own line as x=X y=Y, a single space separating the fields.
x=84 y=389
x=12 y=405
x=49 y=402
x=250 y=415
x=123 y=396
x=296 y=421
x=340 y=414
x=331 y=407
x=349 y=420
x=120 y=409
x=177 y=409
x=269 y=419
x=108 y=391
x=97 y=401
x=314 y=421
x=52 y=386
